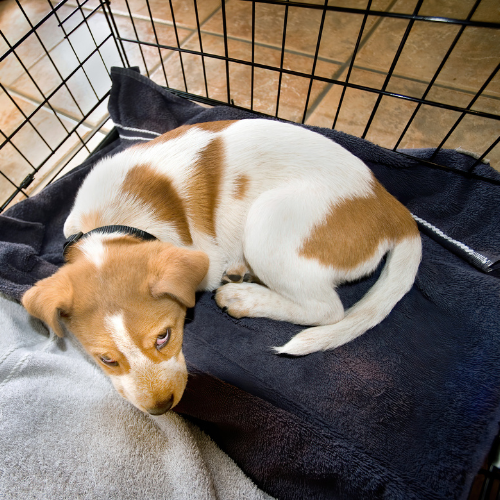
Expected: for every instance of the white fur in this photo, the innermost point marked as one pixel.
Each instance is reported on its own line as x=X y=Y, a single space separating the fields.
x=138 y=385
x=295 y=177
x=94 y=249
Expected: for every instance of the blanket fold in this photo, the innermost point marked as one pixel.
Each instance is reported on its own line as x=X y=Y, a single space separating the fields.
x=408 y=410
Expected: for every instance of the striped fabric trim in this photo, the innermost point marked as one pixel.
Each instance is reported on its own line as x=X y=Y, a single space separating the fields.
x=129 y=138
x=132 y=129
x=484 y=261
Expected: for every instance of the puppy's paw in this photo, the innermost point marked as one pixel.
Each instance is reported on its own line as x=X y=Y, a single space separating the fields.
x=239 y=299
x=239 y=274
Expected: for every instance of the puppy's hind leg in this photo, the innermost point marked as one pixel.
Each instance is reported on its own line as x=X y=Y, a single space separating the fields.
x=256 y=301
x=300 y=290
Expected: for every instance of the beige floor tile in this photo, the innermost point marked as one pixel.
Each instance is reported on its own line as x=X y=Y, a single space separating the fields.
x=16 y=168
x=10 y=116
x=471 y=62
x=429 y=127
x=14 y=25
x=165 y=34
x=447 y=8
x=183 y=9
x=302 y=28
x=184 y=12
x=293 y=92
x=36 y=147
x=78 y=92
x=488 y=11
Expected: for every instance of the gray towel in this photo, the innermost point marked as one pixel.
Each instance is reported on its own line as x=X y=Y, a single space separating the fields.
x=65 y=433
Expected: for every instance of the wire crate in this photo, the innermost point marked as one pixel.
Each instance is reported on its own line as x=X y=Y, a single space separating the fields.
x=403 y=74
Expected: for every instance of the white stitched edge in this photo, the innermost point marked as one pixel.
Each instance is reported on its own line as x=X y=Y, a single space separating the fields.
x=459 y=244
x=132 y=129
x=134 y=138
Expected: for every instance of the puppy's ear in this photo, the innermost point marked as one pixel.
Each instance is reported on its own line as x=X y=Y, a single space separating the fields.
x=178 y=272
x=50 y=300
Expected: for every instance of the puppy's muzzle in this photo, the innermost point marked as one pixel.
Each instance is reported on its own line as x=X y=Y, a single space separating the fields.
x=162 y=407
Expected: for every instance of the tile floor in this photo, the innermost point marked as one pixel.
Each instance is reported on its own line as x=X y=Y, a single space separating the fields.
x=54 y=86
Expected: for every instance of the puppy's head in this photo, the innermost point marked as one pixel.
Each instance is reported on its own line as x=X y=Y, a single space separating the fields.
x=125 y=300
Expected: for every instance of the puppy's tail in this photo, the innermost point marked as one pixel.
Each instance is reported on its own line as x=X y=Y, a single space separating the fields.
x=395 y=281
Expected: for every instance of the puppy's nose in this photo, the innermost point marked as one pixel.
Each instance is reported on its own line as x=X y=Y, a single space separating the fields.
x=162 y=407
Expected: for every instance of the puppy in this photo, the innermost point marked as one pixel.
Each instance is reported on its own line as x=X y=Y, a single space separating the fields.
x=152 y=225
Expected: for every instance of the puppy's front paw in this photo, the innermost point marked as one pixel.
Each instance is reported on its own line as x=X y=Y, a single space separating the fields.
x=238 y=299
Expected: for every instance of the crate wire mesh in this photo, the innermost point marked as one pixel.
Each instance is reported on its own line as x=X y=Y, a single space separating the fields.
x=400 y=73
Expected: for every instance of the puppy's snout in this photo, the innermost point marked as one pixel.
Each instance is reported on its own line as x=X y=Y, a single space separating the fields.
x=162 y=407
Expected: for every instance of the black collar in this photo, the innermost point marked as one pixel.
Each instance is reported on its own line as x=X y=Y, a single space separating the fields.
x=132 y=231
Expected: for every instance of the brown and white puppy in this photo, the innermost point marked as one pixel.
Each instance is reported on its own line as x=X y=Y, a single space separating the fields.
x=256 y=196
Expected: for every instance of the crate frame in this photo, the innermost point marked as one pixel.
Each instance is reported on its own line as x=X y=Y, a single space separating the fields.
x=488 y=478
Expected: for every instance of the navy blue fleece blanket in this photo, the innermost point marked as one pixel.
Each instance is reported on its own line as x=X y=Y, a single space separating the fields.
x=406 y=411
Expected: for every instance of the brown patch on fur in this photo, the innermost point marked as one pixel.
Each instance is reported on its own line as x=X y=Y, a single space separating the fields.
x=241 y=186
x=353 y=229
x=91 y=220
x=167 y=136
x=150 y=187
x=215 y=126
x=177 y=132
x=124 y=285
x=204 y=185
x=203 y=188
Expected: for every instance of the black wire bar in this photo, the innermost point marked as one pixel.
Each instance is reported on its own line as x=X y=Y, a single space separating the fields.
x=28 y=179
x=20 y=188
x=178 y=45
x=471 y=103
x=436 y=74
x=46 y=100
x=372 y=90
x=224 y=28
x=119 y=41
x=351 y=63
x=47 y=53
x=380 y=13
x=157 y=44
x=66 y=36
x=316 y=54
x=252 y=81
x=283 y=43
x=392 y=68
x=201 y=46
x=114 y=31
x=137 y=37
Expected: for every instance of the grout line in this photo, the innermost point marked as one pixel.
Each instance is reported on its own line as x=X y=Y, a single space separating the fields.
x=184 y=42
x=67 y=157
x=73 y=120
x=328 y=87
x=345 y=64
x=271 y=46
x=311 y=108
x=339 y=72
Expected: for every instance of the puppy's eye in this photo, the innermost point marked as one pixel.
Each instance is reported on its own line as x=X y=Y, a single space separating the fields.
x=108 y=361
x=162 y=340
